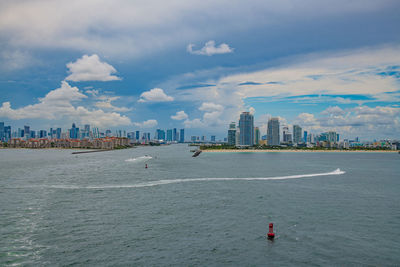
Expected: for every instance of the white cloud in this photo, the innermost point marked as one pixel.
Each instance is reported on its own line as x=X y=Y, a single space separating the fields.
x=364 y=120
x=90 y=68
x=210 y=107
x=180 y=115
x=58 y=105
x=335 y=111
x=155 y=95
x=210 y=49
x=106 y=103
x=146 y=124
x=211 y=117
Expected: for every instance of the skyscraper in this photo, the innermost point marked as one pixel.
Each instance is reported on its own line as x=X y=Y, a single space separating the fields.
x=256 y=135
x=182 y=136
x=297 y=134
x=287 y=136
x=232 y=134
x=246 y=125
x=2 y=131
x=137 y=136
x=169 y=135
x=305 y=137
x=273 y=132
x=27 y=131
x=175 y=137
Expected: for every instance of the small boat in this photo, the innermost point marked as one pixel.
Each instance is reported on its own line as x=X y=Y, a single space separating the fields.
x=196 y=153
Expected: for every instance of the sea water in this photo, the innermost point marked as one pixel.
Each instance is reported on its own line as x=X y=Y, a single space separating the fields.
x=107 y=209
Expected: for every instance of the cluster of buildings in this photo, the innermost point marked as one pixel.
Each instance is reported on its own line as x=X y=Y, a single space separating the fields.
x=245 y=134
x=85 y=137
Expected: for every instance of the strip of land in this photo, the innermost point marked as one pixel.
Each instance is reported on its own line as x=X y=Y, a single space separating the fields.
x=297 y=150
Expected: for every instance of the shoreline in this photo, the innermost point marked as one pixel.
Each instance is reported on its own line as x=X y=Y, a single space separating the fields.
x=295 y=151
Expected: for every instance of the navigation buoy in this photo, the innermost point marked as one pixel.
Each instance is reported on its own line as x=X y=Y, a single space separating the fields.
x=271 y=234
x=146 y=166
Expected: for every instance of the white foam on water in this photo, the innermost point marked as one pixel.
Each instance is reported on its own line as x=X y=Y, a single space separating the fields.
x=174 y=181
x=139 y=159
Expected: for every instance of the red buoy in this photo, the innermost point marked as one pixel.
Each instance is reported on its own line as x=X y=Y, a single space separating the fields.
x=146 y=166
x=271 y=234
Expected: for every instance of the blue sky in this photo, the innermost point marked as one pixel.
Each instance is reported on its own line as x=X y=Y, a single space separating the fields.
x=197 y=64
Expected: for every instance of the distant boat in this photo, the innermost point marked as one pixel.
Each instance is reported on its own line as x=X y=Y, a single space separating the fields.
x=196 y=153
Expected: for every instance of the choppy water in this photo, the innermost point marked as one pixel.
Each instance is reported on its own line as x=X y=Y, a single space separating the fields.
x=106 y=209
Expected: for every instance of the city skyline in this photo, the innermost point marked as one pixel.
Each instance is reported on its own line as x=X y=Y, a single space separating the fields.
x=324 y=67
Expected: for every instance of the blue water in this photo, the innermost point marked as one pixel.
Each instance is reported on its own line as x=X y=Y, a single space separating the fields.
x=106 y=209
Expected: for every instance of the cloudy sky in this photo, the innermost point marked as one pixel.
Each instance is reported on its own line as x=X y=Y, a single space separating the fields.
x=142 y=65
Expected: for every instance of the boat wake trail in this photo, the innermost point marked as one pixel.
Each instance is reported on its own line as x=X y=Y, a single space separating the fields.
x=174 y=181
x=139 y=159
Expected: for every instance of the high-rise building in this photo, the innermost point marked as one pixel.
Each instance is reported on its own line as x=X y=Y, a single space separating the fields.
x=2 y=131
x=213 y=138
x=42 y=134
x=273 y=138
x=237 y=139
x=232 y=134
x=58 y=133
x=169 y=135
x=74 y=132
x=7 y=133
x=287 y=136
x=175 y=136
x=297 y=134
x=305 y=133
x=160 y=134
x=256 y=135
x=32 y=134
x=137 y=135
x=182 y=136
x=27 y=131
x=86 y=133
x=246 y=125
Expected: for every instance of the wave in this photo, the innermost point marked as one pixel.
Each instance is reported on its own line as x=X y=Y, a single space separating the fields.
x=174 y=181
x=139 y=159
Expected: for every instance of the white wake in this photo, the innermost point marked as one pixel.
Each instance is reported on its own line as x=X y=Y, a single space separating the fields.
x=139 y=159
x=174 y=181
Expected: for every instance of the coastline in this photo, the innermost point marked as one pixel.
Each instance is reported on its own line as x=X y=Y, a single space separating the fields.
x=295 y=151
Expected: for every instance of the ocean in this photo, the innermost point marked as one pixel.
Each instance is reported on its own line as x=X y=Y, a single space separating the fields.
x=107 y=209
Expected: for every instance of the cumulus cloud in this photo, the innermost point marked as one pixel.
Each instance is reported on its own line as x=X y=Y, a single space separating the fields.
x=364 y=120
x=180 y=115
x=146 y=124
x=210 y=49
x=210 y=107
x=155 y=95
x=90 y=68
x=335 y=111
x=211 y=116
x=59 y=104
x=106 y=103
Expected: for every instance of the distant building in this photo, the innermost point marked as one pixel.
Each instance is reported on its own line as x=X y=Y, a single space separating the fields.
x=169 y=135
x=160 y=134
x=305 y=133
x=27 y=131
x=273 y=132
x=203 y=138
x=287 y=136
x=74 y=132
x=175 y=135
x=232 y=134
x=182 y=136
x=256 y=135
x=213 y=138
x=2 y=131
x=246 y=125
x=237 y=141
x=297 y=134
x=137 y=135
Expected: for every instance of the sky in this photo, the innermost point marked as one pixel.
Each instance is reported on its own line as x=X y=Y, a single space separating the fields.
x=143 y=65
